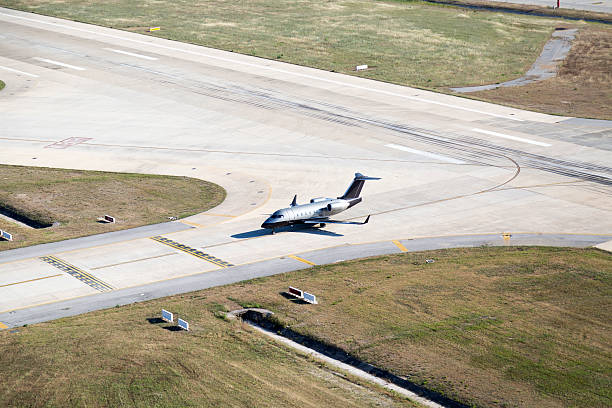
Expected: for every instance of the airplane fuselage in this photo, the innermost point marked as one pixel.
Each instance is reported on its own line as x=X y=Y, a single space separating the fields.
x=319 y=209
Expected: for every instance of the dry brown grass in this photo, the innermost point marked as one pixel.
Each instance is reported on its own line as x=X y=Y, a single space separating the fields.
x=116 y=358
x=499 y=327
x=495 y=327
x=582 y=88
x=76 y=198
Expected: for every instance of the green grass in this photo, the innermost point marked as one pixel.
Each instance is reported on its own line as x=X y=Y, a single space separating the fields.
x=2 y=85
x=75 y=199
x=406 y=42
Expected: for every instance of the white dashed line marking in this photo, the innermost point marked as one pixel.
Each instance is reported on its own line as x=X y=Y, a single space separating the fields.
x=425 y=154
x=18 y=72
x=282 y=71
x=61 y=64
x=516 y=138
x=132 y=54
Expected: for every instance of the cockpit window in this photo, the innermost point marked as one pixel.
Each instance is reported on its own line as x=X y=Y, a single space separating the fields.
x=277 y=216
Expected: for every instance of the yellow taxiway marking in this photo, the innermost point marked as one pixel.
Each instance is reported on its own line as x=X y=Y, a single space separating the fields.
x=192 y=251
x=193 y=224
x=400 y=246
x=297 y=258
x=78 y=273
x=3 y=326
x=218 y=215
x=30 y=280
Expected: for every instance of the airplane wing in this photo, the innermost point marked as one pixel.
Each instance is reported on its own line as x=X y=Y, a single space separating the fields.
x=328 y=221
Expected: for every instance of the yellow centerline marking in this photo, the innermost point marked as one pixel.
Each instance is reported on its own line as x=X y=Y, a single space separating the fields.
x=3 y=326
x=193 y=224
x=30 y=280
x=297 y=258
x=400 y=246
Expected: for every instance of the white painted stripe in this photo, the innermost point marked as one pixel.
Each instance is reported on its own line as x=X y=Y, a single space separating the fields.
x=61 y=64
x=425 y=154
x=518 y=139
x=132 y=54
x=263 y=67
x=18 y=72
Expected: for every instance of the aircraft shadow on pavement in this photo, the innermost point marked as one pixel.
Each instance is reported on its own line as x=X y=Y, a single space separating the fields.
x=296 y=228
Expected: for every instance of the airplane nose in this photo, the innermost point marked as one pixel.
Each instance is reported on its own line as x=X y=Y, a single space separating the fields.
x=266 y=224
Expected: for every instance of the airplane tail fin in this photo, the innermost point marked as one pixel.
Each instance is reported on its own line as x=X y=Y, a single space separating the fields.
x=355 y=188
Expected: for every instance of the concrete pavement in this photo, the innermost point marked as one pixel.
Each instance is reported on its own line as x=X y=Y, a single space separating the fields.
x=265 y=131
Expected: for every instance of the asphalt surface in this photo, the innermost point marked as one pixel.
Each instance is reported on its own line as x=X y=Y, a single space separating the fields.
x=603 y=6
x=87 y=97
x=80 y=305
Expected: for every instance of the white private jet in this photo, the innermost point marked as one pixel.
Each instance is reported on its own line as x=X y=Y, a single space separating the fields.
x=320 y=209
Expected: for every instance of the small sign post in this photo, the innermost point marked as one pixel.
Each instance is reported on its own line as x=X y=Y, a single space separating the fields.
x=296 y=292
x=110 y=219
x=6 y=236
x=183 y=324
x=310 y=298
x=167 y=316
x=361 y=67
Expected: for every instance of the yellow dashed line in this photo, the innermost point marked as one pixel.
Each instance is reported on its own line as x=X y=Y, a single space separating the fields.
x=400 y=246
x=297 y=258
x=30 y=280
x=3 y=326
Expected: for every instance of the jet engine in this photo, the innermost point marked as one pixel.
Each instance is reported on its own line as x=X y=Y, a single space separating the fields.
x=337 y=206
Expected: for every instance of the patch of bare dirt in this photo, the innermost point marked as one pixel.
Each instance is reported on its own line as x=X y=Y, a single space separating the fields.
x=582 y=88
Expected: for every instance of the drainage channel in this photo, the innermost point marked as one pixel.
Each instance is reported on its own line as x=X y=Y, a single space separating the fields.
x=259 y=320
x=10 y=214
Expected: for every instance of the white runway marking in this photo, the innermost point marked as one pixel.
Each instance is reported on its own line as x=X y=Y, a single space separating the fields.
x=61 y=64
x=132 y=54
x=425 y=154
x=313 y=77
x=518 y=139
x=18 y=72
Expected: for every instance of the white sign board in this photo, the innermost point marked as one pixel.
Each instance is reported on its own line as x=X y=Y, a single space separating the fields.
x=108 y=218
x=183 y=324
x=310 y=298
x=167 y=316
x=295 y=292
x=6 y=235
x=361 y=67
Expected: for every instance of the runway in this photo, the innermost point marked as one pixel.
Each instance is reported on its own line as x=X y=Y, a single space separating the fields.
x=87 y=97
